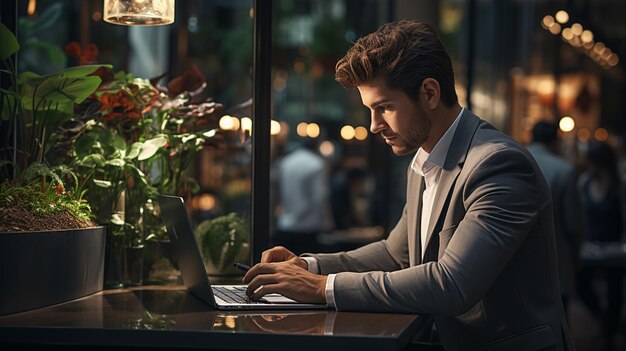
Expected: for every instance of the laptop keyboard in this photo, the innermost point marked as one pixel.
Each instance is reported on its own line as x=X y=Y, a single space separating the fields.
x=235 y=294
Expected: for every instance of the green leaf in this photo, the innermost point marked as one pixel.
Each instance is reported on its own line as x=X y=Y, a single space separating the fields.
x=57 y=90
x=70 y=85
x=84 y=144
x=133 y=151
x=116 y=162
x=93 y=160
x=141 y=176
x=186 y=138
x=102 y=183
x=117 y=219
x=150 y=147
x=82 y=71
x=118 y=142
x=9 y=43
x=8 y=105
x=211 y=133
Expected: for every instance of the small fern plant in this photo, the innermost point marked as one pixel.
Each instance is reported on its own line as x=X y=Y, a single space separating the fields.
x=221 y=239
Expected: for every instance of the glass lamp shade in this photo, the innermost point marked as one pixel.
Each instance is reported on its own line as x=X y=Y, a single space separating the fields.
x=139 y=12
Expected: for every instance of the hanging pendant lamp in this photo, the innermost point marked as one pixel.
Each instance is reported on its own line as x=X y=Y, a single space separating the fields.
x=139 y=12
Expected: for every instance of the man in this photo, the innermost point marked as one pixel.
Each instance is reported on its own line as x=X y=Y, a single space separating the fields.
x=304 y=203
x=475 y=244
x=568 y=224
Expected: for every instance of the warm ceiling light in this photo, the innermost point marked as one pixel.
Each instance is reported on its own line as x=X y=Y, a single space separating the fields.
x=606 y=53
x=567 y=124
x=583 y=134
x=601 y=134
x=347 y=132
x=598 y=48
x=313 y=130
x=205 y=202
x=32 y=5
x=555 y=28
x=327 y=148
x=547 y=21
x=360 y=133
x=587 y=36
x=275 y=127
x=139 y=12
x=229 y=123
x=301 y=129
x=562 y=16
x=577 y=29
x=246 y=124
x=567 y=34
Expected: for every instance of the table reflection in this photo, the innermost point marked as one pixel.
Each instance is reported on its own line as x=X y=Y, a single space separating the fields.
x=167 y=308
x=145 y=318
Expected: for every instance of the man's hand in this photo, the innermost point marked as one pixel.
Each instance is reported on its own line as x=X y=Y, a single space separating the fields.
x=286 y=278
x=281 y=254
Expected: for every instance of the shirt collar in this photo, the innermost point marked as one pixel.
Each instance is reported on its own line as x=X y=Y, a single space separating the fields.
x=424 y=161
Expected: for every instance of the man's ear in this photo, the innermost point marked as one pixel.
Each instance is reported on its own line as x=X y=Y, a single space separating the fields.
x=430 y=93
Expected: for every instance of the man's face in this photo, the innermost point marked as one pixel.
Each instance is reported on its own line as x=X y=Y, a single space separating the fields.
x=399 y=119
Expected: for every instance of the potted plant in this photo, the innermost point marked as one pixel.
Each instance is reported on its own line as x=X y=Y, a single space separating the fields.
x=139 y=140
x=57 y=254
x=223 y=241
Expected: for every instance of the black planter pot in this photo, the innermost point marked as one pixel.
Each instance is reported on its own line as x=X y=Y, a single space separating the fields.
x=38 y=269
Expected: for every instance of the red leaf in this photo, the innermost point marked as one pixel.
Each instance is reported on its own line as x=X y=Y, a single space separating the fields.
x=193 y=79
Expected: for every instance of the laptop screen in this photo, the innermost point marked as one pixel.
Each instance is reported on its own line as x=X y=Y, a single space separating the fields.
x=185 y=247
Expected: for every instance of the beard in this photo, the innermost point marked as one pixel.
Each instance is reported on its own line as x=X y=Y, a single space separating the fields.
x=415 y=135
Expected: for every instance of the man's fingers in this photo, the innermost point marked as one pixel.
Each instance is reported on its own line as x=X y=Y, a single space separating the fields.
x=276 y=254
x=259 y=268
x=259 y=281
x=263 y=290
x=267 y=256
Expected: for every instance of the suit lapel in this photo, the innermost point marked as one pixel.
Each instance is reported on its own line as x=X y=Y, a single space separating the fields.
x=445 y=186
x=452 y=167
x=414 y=208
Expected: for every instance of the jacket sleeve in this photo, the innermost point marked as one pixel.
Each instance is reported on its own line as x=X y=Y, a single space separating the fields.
x=501 y=196
x=384 y=255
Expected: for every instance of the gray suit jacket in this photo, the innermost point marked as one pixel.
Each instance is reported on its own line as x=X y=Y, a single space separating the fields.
x=489 y=270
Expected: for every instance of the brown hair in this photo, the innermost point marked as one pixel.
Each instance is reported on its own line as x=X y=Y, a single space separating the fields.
x=405 y=53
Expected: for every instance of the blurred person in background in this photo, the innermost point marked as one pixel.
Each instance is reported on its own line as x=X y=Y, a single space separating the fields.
x=303 y=198
x=348 y=187
x=568 y=216
x=602 y=194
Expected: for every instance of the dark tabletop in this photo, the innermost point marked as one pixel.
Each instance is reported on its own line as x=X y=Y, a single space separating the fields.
x=170 y=317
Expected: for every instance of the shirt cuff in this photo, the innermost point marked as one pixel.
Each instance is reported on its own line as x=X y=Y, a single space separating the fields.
x=330 y=290
x=314 y=267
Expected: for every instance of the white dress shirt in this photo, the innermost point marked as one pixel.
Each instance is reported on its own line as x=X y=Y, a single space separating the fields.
x=427 y=165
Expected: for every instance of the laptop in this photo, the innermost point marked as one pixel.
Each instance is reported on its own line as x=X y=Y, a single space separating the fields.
x=195 y=277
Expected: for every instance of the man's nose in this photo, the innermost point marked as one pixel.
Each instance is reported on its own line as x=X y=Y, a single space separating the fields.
x=377 y=123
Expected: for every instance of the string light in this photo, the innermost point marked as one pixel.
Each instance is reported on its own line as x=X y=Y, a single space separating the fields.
x=580 y=38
